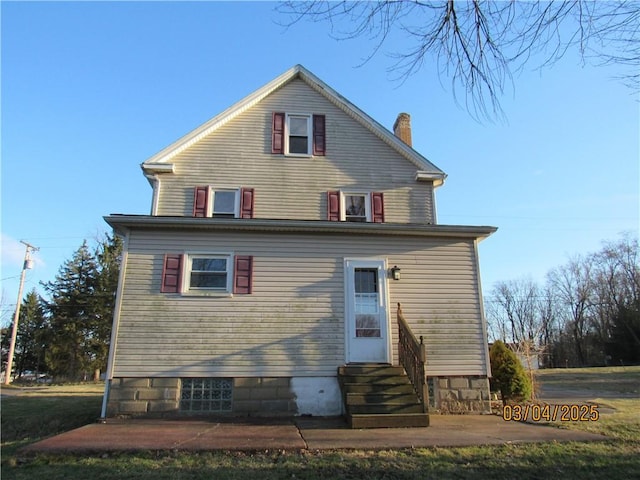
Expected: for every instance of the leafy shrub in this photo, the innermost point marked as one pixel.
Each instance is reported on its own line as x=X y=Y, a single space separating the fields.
x=509 y=376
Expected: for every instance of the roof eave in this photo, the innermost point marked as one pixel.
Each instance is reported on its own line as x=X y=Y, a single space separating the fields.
x=222 y=118
x=124 y=223
x=436 y=178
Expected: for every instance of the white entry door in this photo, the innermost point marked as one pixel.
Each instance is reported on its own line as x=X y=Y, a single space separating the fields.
x=367 y=318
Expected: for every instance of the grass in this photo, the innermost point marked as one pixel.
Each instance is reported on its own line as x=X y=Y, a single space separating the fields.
x=623 y=423
x=615 y=390
x=575 y=460
x=33 y=415
x=612 y=380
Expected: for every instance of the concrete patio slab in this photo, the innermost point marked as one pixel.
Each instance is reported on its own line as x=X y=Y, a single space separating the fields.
x=300 y=433
x=444 y=431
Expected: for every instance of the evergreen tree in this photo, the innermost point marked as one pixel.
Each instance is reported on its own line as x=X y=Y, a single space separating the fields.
x=509 y=377
x=72 y=316
x=33 y=333
x=108 y=255
x=82 y=299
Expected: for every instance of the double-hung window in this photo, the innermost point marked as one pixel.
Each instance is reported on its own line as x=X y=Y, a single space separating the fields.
x=208 y=273
x=298 y=134
x=223 y=202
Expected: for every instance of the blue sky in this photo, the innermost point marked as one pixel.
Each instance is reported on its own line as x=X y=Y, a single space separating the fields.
x=91 y=90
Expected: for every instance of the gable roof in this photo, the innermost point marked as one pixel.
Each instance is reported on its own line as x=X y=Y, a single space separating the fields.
x=160 y=162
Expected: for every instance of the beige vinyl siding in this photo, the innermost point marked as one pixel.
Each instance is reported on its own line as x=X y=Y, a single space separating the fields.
x=292 y=187
x=293 y=322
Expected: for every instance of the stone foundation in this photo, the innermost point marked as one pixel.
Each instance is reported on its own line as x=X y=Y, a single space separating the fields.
x=283 y=396
x=263 y=396
x=259 y=396
x=141 y=396
x=468 y=394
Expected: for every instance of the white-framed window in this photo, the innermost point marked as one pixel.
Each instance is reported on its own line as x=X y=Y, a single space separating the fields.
x=356 y=207
x=225 y=202
x=211 y=201
x=298 y=134
x=205 y=272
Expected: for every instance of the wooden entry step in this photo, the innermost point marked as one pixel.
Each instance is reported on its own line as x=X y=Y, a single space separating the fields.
x=380 y=396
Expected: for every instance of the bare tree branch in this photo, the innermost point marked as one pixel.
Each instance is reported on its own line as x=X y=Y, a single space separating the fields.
x=477 y=44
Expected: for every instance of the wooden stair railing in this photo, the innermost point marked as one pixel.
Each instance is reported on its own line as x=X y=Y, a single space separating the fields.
x=412 y=355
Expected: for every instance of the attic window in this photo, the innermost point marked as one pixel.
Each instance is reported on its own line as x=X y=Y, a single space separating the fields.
x=298 y=134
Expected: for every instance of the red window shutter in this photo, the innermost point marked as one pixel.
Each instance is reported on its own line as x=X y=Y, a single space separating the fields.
x=318 y=135
x=277 y=133
x=377 y=207
x=333 y=206
x=246 y=203
x=200 y=200
x=243 y=274
x=171 y=274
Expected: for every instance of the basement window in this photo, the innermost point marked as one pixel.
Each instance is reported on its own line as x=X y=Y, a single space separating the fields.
x=206 y=395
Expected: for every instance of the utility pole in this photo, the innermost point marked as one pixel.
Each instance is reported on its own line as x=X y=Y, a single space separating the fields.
x=28 y=264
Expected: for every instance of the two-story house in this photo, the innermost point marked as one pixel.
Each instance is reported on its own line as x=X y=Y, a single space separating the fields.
x=282 y=235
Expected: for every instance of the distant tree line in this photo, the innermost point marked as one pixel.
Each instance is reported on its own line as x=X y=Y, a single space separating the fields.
x=586 y=313
x=67 y=335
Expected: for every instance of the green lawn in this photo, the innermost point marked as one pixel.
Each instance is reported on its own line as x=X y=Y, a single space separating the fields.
x=610 y=380
x=41 y=413
x=38 y=412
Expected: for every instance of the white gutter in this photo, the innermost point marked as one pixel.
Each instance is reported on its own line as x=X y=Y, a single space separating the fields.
x=122 y=223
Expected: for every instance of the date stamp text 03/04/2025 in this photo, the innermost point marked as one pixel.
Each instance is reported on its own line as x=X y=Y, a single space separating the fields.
x=550 y=413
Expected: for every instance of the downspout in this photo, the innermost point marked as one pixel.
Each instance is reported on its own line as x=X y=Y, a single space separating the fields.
x=114 y=328
x=155 y=185
x=152 y=172
x=433 y=206
x=436 y=180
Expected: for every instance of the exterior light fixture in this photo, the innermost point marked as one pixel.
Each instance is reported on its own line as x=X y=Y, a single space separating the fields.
x=395 y=272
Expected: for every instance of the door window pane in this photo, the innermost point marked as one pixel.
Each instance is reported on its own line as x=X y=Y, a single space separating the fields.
x=366 y=302
x=368 y=326
x=366 y=280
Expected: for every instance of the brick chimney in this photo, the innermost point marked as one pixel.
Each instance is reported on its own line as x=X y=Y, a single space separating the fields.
x=402 y=128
